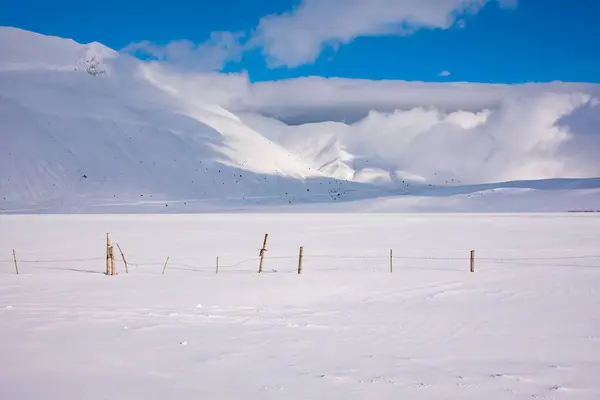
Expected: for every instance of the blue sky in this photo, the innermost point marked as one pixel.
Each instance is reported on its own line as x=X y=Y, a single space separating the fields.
x=534 y=40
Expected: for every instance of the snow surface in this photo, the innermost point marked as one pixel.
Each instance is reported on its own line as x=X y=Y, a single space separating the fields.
x=525 y=325
x=86 y=129
x=68 y=134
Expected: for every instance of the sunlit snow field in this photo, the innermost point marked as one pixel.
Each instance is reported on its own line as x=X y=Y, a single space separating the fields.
x=524 y=325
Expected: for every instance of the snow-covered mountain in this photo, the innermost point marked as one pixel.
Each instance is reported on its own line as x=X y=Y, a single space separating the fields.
x=84 y=128
x=84 y=122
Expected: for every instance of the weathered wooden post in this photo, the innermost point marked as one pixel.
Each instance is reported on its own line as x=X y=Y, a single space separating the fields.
x=108 y=254
x=124 y=259
x=472 y=260
x=113 y=270
x=300 y=254
x=16 y=265
x=262 y=254
x=391 y=261
x=165 y=267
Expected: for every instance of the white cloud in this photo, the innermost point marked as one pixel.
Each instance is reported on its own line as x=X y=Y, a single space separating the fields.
x=298 y=36
x=197 y=88
x=519 y=139
x=211 y=55
x=444 y=73
x=315 y=98
x=438 y=131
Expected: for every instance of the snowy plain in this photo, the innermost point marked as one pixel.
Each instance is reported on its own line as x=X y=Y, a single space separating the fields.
x=524 y=325
x=86 y=131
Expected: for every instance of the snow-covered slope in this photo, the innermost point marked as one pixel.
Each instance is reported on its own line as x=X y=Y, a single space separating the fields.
x=528 y=137
x=69 y=130
x=320 y=144
x=84 y=128
x=23 y=50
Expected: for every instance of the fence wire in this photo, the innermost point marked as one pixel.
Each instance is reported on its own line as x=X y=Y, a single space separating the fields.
x=200 y=264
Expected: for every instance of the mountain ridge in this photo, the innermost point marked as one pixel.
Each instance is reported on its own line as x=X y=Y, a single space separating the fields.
x=81 y=124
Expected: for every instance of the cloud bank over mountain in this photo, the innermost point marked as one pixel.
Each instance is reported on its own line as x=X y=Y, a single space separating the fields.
x=438 y=131
x=82 y=123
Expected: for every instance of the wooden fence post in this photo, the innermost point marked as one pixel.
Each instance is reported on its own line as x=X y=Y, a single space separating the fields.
x=16 y=265
x=165 y=267
x=108 y=254
x=124 y=259
x=300 y=254
x=472 y=260
x=217 y=265
x=113 y=270
x=262 y=254
x=391 y=261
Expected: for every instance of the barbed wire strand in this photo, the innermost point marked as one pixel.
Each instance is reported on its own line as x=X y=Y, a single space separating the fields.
x=178 y=265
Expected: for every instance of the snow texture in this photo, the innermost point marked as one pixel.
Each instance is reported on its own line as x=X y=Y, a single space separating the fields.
x=524 y=326
x=86 y=129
